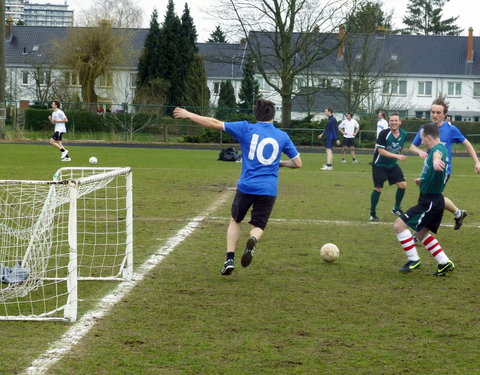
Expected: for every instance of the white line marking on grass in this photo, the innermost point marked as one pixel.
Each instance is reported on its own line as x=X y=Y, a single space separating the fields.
x=336 y=222
x=70 y=338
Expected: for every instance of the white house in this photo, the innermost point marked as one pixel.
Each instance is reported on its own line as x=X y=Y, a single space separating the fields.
x=419 y=68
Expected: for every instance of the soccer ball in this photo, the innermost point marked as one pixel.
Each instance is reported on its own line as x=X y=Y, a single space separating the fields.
x=329 y=252
x=93 y=160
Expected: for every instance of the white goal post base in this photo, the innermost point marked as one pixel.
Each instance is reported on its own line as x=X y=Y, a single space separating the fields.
x=78 y=226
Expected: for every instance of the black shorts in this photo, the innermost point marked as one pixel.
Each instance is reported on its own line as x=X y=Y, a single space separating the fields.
x=427 y=213
x=382 y=174
x=57 y=136
x=348 y=142
x=262 y=208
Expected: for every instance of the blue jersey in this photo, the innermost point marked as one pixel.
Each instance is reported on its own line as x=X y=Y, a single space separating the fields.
x=262 y=146
x=449 y=134
x=331 y=129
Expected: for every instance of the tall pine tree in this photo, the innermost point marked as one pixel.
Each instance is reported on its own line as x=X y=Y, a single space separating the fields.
x=197 y=94
x=424 y=17
x=368 y=17
x=249 y=88
x=226 y=100
x=147 y=64
x=170 y=56
x=217 y=36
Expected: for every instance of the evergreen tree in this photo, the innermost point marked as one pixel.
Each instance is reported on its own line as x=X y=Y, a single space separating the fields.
x=424 y=17
x=147 y=63
x=169 y=61
x=197 y=94
x=368 y=18
x=226 y=100
x=217 y=36
x=249 y=88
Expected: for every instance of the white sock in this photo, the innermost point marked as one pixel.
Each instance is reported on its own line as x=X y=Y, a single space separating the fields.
x=432 y=245
x=457 y=213
x=408 y=244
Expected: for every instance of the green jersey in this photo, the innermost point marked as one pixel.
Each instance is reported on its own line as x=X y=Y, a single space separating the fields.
x=390 y=143
x=432 y=181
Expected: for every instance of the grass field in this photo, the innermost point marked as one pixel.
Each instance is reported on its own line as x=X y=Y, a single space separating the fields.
x=289 y=312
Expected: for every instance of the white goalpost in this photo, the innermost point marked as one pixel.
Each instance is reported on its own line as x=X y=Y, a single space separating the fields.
x=78 y=226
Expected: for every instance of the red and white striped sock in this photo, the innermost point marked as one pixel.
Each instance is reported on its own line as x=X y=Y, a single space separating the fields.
x=432 y=245
x=408 y=244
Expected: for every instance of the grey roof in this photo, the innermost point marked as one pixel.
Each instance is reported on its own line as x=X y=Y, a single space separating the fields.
x=321 y=98
x=221 y=59
x=415 y=54
x=412 y=54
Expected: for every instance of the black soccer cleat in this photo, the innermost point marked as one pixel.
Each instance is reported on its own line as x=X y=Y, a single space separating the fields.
x=228 y=267
x=397 y=212
x=373 y=217
x=459 y=220
x=411 y=265
x=248 y=252
x=442 y=269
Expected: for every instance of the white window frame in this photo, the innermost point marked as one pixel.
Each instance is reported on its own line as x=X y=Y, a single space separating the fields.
x=133 y=80
x=454 y=88
x=424 y=88
x=395 y=88
x=25 y=75
x=476 y=92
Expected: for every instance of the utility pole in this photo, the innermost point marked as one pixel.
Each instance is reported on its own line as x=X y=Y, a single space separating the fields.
x=2 y=69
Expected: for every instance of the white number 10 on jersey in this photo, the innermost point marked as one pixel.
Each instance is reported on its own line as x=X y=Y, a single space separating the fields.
x=256 y=149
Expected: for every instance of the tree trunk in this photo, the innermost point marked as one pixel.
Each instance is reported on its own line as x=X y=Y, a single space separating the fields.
x=286 y=110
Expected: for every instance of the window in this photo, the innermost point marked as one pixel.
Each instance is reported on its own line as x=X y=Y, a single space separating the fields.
x=454 y=88
x=24 y=77
x=105 y=80
x=133 y=80
x=299 y=82
x=263 y=85
x=216 y=88
x=425 y=88
x=324 y=82
x=476 y=89
x=395 y=88
x=43 y=77
x=422 y=114
x=71 y=78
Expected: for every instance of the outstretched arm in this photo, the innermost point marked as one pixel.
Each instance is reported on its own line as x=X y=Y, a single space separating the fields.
x=206 y=122
x=418 y=151
x=296 y=162
x=471 y=151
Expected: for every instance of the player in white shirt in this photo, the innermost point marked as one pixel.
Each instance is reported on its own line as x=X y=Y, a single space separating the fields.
x=59 y=119
x=349 y=128
x=381 y=123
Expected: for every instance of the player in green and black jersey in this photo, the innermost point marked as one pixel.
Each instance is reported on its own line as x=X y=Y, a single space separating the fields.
x=389 y=148
x=426 y=216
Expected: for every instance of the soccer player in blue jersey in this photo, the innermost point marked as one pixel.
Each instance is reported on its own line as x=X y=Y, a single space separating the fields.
x=426 y=216
x=262 y=145
x=331 y=136
x=449 y=134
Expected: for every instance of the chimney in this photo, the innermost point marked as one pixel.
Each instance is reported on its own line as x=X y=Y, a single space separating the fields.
x=470 y=46
x=341 y=42
x=9 y=29
x=380 y=33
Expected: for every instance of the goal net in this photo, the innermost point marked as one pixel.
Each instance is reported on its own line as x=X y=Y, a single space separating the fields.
x=78 y=226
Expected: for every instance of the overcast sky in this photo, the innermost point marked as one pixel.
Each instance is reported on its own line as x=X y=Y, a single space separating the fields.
x=467 y=10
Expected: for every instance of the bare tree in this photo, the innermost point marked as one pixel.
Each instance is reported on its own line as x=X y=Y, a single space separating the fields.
x=121 y=13
x=288 y=37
